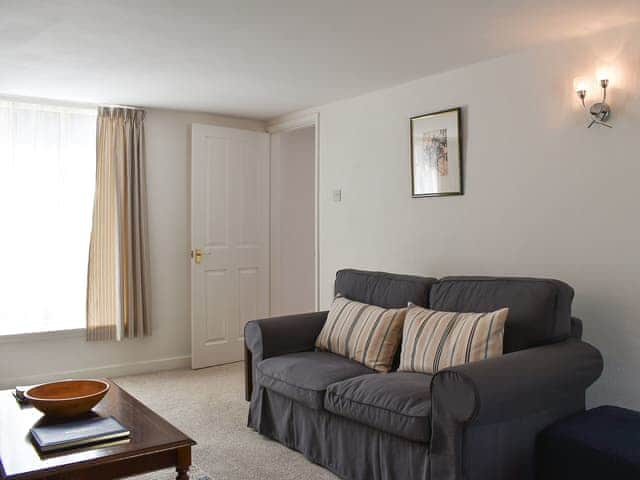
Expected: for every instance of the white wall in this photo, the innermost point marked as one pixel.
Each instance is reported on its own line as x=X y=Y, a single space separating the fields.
x=545 y=196
x=293 y=221
x=168 y=189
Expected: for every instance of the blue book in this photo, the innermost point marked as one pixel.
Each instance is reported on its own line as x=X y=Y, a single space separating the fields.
x=77 y=433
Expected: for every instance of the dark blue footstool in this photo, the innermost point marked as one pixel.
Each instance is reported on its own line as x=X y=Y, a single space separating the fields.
x=602 y=444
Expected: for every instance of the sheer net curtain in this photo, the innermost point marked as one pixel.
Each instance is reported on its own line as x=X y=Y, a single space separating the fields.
x=47 y=171
x=118 y=280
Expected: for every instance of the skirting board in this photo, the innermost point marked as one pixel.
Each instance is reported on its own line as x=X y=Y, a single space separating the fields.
x=115 y=370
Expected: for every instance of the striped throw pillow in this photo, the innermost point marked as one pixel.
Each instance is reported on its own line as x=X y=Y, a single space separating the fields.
x=433 y=341
x=365 y=333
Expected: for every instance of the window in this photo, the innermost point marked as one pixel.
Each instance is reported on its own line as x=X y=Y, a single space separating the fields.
x=47 y=181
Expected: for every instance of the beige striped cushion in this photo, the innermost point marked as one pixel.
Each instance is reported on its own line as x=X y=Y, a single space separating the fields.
x=365 y=333
x=434 y=340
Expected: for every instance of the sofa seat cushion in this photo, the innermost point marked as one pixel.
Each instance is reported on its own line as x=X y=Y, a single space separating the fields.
x=305 y=376
x=398 y=403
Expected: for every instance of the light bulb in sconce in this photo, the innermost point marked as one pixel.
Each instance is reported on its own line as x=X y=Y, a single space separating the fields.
x=603 y=74
x=580 y=84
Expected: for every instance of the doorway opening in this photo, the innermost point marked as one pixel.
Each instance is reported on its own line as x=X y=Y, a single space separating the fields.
x=294 y=218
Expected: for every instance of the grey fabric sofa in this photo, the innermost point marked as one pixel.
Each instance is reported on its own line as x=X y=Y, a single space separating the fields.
x=474 y=421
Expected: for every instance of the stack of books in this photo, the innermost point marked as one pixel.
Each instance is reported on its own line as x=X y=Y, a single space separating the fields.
x=76 y=433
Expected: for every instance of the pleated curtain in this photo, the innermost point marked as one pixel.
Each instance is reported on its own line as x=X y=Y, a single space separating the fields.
x=118 y=275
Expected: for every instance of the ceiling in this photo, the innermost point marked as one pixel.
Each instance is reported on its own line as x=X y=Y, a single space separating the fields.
x=259 y=58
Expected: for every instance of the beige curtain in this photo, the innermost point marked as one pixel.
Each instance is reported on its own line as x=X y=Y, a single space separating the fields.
x=118 y=278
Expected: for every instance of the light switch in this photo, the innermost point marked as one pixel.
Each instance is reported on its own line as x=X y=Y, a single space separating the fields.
x=337 y=195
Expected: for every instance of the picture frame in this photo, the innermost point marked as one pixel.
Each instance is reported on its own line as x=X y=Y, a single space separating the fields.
x=436 y=154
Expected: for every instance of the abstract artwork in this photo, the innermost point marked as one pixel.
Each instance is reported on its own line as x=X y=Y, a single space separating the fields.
x=436 y=154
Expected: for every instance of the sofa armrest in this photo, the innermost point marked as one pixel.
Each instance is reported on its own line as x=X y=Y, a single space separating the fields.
x=535 y=383
x=275 y=336
x=518 y=383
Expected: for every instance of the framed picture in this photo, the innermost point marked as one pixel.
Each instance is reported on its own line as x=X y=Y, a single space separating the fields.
x=436 y=154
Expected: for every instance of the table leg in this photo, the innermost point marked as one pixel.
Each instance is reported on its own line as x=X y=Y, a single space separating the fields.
x=183 y=474
x=183 y=464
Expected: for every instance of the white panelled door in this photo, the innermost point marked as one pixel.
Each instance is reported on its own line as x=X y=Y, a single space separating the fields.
x=229 y=238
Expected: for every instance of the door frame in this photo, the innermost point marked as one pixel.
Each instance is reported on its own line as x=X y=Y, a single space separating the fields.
x=304 y=121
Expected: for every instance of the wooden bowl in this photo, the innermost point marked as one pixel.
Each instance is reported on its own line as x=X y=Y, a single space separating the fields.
x=67 y=398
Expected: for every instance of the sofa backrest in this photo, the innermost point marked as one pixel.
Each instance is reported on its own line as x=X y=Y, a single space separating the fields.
x=386 y=290
x=539 y=309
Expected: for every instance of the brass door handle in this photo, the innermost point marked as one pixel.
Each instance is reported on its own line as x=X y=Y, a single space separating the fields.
x=197 y=255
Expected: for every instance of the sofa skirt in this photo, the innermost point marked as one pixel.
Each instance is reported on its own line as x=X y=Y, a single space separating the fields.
x=351 y=450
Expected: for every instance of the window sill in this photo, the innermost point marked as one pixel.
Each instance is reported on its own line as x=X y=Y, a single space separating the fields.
x=42 y=336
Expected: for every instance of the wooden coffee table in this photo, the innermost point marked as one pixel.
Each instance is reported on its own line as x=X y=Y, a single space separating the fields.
x=154 y=444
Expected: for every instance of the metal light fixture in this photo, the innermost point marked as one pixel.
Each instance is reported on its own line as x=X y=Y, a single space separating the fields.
x=599 y=111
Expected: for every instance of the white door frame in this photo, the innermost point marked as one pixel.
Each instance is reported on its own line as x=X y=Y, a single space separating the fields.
x=305 y=121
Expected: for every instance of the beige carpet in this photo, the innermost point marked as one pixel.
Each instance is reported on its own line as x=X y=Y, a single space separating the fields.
x=209 y=406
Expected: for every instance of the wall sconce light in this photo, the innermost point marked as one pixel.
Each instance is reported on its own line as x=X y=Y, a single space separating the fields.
x=599 y=111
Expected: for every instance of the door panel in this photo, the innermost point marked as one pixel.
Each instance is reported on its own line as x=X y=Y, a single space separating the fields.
x=229 y=224
x=248 y=292
x=216 y=204
x=218 y=288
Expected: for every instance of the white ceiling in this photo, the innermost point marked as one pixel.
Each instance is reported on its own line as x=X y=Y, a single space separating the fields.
x=261 y=58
